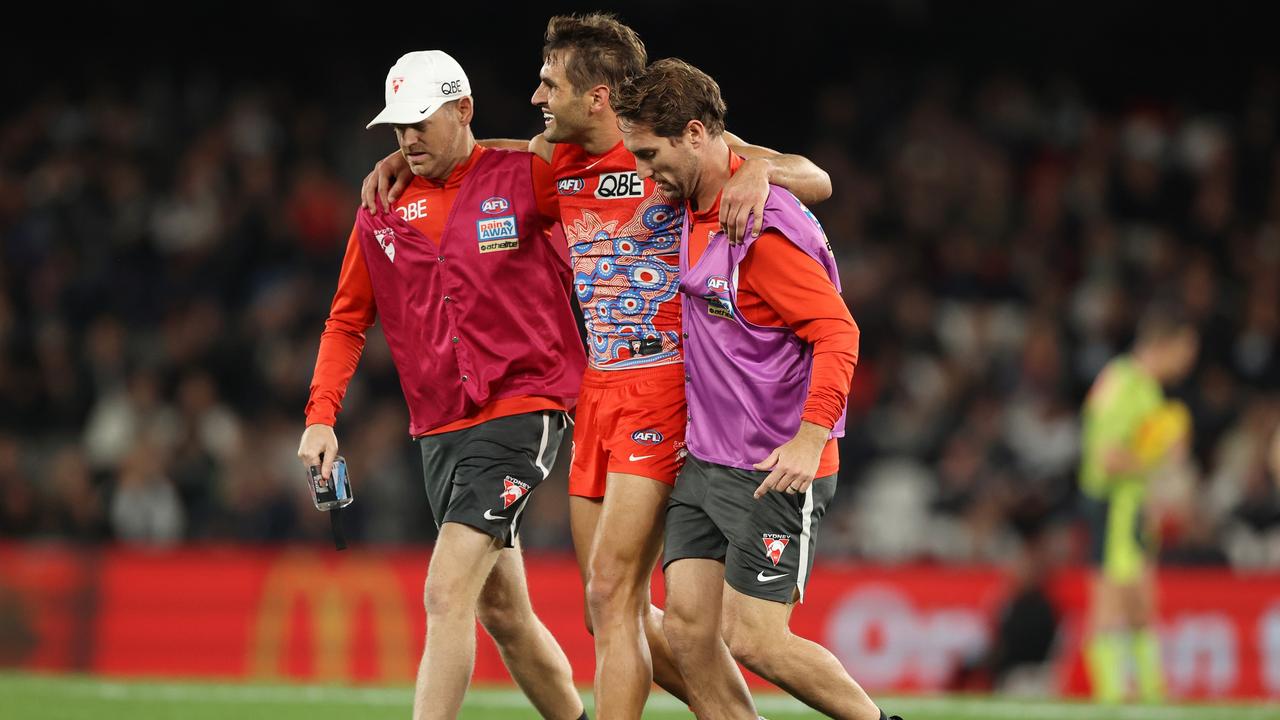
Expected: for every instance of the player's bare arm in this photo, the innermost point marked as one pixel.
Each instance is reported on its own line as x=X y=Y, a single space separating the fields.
x=794 y=464
x=539 y=146
x=745 y=193
x=391 y=175
x=388 y=179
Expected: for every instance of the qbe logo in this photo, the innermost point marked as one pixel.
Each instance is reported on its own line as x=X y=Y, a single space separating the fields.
x=494 y=205
x=570 y=186
x=451 y=87
x=618 y=185
x=647 y=437
x=718 y=284
x=413 y=211
x=498 y=233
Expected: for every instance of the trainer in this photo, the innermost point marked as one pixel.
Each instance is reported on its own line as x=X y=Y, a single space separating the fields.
x=474 y=301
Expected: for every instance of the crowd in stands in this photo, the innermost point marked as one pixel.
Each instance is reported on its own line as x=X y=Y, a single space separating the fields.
x=168 y=252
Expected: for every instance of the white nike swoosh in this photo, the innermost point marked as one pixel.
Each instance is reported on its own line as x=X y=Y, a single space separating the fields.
x=488 y=515
x=638 y=458
x=766 y=578
x=593 y=164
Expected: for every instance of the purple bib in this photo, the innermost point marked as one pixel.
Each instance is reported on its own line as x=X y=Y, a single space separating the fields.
x=747 y=383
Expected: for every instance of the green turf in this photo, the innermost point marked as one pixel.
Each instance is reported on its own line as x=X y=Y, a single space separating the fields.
x=48 y=697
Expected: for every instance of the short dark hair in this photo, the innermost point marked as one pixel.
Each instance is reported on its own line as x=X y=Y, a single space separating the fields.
x=605 y=51
x=667 y=95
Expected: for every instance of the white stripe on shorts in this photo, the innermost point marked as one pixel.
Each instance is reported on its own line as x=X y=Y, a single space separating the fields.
x=806 y=524
x=542 y=447
x=537 y=461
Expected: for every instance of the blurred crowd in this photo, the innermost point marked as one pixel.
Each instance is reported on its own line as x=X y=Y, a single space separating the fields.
x=168 y=253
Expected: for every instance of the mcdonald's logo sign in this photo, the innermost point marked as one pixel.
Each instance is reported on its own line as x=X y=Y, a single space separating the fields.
x=333 y=594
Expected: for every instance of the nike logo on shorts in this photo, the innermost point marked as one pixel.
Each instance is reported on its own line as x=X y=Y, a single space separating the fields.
x=488 y=515
x=638 y=458
x=761 y=577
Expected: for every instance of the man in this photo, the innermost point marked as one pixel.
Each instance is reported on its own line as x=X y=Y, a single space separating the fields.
x=1129 y=433
x=474 y=303
x=770 y=349
x=623 y=235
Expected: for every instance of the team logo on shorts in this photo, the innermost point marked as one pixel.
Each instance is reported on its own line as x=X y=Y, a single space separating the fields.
x=386 y=238
x=774 y=545
x=647 y=437
x=570 y=186
x=513 y=490
x=494 y=205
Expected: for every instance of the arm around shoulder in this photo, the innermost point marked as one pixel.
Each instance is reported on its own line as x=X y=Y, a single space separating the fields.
x=808 y=182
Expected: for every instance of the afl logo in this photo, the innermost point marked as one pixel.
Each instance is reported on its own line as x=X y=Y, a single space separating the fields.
x=570 y=186
x=718 y=284
x=647 y=437
x=494 y=205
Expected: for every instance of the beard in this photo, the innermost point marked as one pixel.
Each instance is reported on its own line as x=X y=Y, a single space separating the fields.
x=672 y=190
x=566 y=126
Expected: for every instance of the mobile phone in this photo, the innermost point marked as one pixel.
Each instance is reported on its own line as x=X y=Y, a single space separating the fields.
x=334 y=492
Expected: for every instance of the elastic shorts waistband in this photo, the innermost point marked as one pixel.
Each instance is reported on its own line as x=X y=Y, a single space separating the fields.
x=612 y=378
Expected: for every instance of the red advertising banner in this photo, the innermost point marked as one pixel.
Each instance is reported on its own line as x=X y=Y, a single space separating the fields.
x=310 y=613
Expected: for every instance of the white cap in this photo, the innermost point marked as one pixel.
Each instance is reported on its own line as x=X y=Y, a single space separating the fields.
x=419 y=84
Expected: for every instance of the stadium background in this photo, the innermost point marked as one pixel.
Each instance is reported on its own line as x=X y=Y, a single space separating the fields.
x=1013 y=183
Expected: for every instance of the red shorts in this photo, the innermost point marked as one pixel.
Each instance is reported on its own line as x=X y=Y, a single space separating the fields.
x=628 y=421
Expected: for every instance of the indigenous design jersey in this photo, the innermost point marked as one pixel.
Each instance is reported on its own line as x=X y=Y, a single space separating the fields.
x=624 y=247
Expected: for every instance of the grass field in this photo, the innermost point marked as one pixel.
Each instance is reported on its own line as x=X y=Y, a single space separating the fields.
x=45 y=697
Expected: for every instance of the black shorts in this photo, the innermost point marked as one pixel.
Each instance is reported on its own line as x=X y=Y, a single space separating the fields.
x=482 y=476
x=767 y=545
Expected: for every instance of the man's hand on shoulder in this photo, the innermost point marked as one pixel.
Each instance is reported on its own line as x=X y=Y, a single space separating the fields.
x=743 y=199
x=388 y=180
